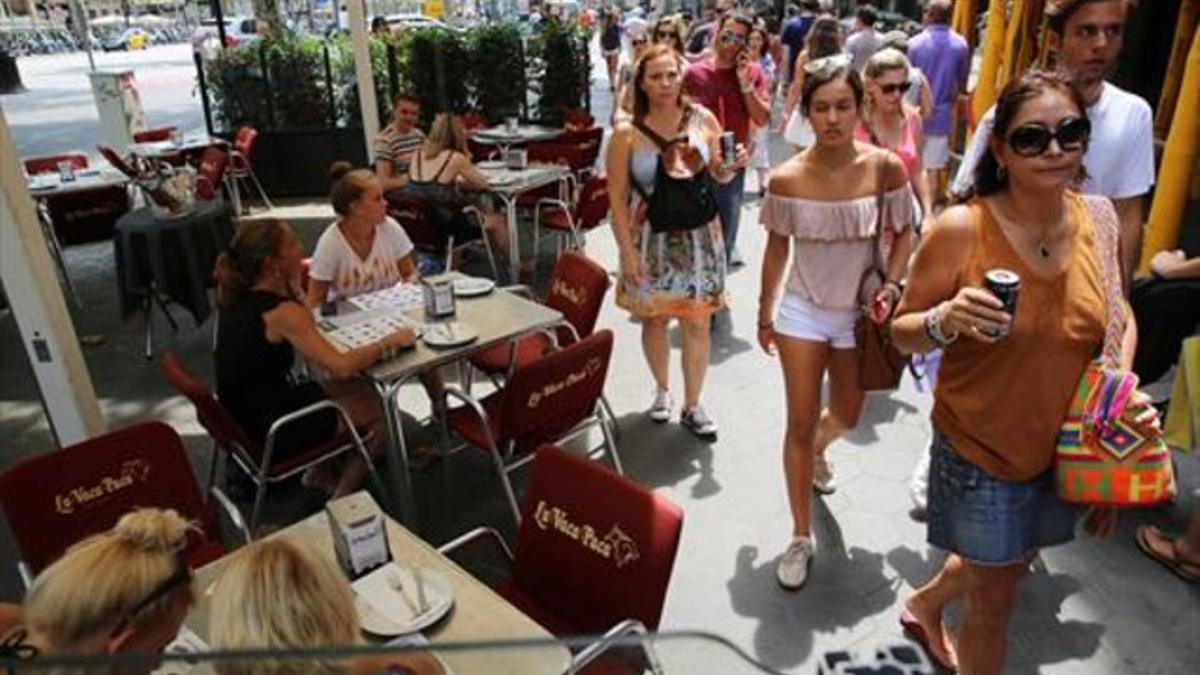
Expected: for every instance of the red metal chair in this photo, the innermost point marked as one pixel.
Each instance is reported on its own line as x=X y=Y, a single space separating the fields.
x=594 y=551
x=230 y=440
x=482 y=152
x=211 y=172
x=49 y=163
x=154 y=135
x=54 y=500
x=413 y=214
x=572 y=219
x=577 y=118
x=588 y=141
x=547 y=400
x=577 y=290
x=474 y=120
x=241 y=166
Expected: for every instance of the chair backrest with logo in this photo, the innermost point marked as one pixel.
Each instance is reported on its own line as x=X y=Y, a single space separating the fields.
x=593 y=202
x=49 y=163
x=54 y=500
x=153 y=135
x=577 y=290
x=412 y=213
x=211 y=172
x=551 y=395
x=594 y=547
x=243 y=143
x=213 y=416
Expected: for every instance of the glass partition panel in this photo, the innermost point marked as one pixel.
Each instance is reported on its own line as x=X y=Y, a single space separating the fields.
x=657 y=654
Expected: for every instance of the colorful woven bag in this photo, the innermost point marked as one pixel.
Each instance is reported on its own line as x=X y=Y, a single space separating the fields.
x=1104 y=457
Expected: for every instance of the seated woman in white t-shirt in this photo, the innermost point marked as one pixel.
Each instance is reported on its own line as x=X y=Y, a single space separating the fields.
x=364 y=250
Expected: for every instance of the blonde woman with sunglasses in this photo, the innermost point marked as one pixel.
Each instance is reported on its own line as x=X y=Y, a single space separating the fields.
x=124 y=591
x=889 y=122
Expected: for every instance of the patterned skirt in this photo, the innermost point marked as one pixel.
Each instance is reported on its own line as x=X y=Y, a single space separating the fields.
x=684 y=271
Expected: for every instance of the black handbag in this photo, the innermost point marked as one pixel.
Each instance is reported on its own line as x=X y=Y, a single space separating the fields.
x=677 y=204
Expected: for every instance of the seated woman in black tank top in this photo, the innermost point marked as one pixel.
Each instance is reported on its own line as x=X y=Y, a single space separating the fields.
x=262 y=324
x=438 y=168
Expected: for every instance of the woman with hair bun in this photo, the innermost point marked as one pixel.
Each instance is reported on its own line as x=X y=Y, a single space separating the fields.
x=364 y=250
x=262 y=324
x=124 y=591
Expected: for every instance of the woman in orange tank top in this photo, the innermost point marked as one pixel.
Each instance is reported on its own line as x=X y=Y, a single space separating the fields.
x=1006 y=380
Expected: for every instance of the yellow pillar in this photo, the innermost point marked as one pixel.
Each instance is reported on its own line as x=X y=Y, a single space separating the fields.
x=1014 y=39
x=986 y=88
x=962 y=21
x=1189 y=14
x=1178 y=162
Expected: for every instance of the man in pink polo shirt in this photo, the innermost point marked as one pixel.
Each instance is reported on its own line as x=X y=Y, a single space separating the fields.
x=730 y=84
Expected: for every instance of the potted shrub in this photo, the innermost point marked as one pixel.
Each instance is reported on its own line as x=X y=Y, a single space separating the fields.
x=497 y=70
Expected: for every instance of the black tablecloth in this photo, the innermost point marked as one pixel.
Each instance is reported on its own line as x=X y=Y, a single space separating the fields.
x=176 y=255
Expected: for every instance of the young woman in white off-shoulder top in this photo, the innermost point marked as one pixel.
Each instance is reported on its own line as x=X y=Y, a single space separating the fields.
x=822 y=203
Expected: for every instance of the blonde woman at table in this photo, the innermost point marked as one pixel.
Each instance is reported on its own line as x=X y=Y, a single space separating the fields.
x=262 y=325
x=823 y=211
x=364 y=250
x=676 y=274
x=124 y=591
x=279 y=594
x=436 y=172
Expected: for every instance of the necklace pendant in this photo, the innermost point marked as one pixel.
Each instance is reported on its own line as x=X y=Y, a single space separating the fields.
x=1043 y=250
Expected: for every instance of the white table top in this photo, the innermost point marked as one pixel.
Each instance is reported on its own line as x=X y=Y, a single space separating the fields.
x=51 y=184
x=479 y=613
x=524 y=133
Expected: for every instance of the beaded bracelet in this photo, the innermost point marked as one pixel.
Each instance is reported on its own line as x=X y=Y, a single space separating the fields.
x=933 y=327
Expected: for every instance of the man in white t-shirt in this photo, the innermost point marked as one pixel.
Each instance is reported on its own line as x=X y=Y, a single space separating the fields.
x=1087 y=36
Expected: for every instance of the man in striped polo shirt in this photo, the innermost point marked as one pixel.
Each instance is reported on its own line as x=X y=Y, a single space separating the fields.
x=396 y=143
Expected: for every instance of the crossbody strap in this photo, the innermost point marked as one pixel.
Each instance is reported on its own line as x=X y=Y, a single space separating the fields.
x=1104 y=224
x=880 y=185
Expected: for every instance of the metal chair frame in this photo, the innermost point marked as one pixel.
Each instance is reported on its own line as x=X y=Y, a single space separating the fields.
x=507 y=462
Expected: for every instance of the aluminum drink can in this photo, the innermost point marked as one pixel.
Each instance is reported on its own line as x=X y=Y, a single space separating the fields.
x=728 y=149
x=1006 y=286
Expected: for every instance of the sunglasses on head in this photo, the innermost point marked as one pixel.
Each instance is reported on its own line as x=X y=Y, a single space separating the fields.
x=731 y=38
x=895 y=88
x=1031 y=140
x=180 y=577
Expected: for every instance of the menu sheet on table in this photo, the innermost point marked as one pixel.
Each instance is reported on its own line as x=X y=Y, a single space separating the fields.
x=403 y=296
x=367 y=329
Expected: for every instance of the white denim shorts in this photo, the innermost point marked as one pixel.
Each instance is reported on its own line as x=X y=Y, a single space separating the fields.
x=802 y=320
x=936 y=153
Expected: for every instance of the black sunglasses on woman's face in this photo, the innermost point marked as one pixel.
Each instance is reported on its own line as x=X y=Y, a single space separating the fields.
x=1031 y=140
x=899 y=87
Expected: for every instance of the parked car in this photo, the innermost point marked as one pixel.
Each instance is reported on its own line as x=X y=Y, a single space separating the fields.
x=128 y=39
x=407 y=21
x=238 y=30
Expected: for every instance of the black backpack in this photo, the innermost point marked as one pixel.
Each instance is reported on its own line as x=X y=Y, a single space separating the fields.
x=677 y=204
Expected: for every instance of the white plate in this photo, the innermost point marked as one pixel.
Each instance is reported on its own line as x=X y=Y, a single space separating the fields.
x=448 y=334
x=385 y=611
x=490 y=164
x=470 y=287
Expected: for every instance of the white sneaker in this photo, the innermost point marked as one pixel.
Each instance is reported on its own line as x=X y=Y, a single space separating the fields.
x=823 y=482
x=660 y=409
x=792 y=571
x=698 y=422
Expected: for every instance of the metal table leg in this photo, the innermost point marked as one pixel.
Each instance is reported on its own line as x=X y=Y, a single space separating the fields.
x=56 y=252
x=400 y=501
x=514 y=245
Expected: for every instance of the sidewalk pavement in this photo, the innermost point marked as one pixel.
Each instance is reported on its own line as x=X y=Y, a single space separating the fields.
x=1094 y=607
